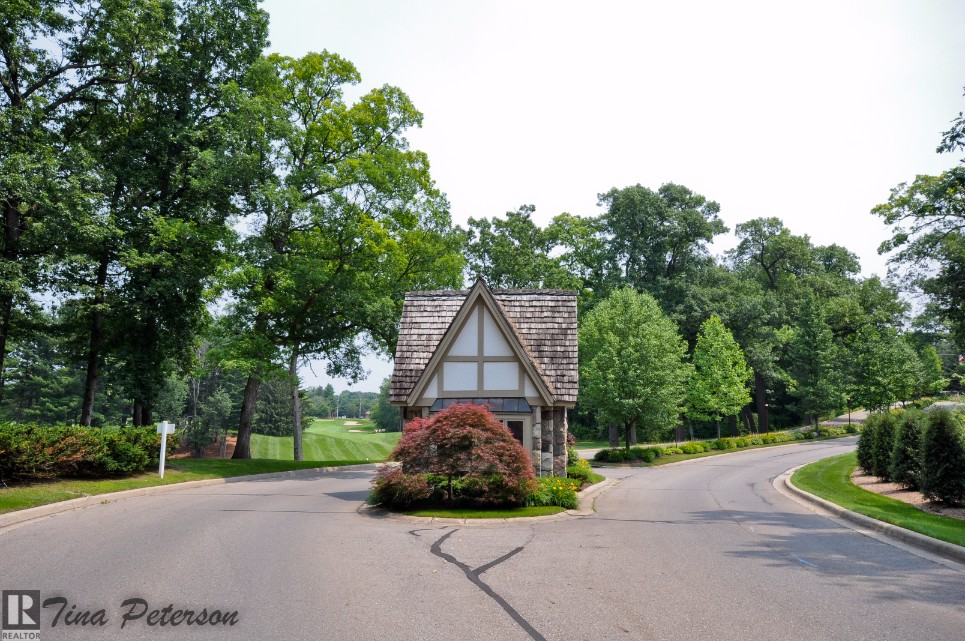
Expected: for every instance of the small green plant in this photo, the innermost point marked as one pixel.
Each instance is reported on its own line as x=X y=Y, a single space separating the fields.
x=579 y=470
x=554 y=490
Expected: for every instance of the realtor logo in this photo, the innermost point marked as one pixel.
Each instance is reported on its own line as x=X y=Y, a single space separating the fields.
x=21 y=610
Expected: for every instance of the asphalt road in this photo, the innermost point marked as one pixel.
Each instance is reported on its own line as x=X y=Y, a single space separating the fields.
x=701 y=550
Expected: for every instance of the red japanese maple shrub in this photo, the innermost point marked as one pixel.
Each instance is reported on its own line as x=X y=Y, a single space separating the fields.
x=465 y=452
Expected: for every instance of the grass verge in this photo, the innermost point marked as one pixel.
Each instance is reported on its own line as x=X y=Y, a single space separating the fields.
x=830 y=479
x=470 y=513
x=21 y=497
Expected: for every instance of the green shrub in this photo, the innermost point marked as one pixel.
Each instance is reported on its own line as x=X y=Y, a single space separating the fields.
x=723 y=444
x=579 y=470
x=882 y=442
x=635 y=453
x=755 y=441
x=693 y=447
x=854 y=428
x=864 y=452
x=670 y=451
x=602 y=456
x=906 y=455
x=943 y=458
x=552 y=490
x=30 y=451
x=395 y=487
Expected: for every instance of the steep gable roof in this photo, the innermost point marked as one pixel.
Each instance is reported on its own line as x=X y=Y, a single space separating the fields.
x=543 y=321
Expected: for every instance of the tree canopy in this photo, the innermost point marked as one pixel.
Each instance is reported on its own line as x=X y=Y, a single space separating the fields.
x=632 y=364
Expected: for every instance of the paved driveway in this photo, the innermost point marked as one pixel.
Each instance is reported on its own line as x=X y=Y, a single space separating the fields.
x=701 y=550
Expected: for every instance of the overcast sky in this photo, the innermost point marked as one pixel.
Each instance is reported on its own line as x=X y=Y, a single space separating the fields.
x=811 y=112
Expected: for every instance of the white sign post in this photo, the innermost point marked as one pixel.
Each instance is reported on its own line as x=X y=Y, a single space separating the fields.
x=164 y=428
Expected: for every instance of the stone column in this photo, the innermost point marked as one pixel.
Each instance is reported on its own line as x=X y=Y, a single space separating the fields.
x=559 y=441
x=547 y=441
x=536 y=444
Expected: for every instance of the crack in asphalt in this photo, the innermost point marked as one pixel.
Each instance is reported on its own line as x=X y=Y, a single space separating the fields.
x=473 y=576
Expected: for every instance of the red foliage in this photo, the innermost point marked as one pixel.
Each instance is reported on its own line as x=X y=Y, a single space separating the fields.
x=467 y=443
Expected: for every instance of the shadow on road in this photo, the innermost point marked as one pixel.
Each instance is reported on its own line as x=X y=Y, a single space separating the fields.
x=843 y=556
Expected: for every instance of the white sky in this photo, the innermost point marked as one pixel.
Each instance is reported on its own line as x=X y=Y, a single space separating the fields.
x=811 y=112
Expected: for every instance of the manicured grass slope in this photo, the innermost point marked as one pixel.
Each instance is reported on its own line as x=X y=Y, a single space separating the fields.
x=329 y=440
x=830 y=479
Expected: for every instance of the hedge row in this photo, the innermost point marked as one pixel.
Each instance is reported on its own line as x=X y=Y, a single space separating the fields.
x=30 y=451
x=650 y=454
x=919 y=450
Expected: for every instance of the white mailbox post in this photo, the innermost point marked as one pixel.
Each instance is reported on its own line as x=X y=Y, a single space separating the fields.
x=164 y=428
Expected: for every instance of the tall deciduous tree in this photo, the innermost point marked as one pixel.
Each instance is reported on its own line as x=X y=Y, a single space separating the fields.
x=718 y=386
x=632 y=367
x=928 y=237
x=514 y=252
x=55 y=57
x=656 y=238
x=345 y=219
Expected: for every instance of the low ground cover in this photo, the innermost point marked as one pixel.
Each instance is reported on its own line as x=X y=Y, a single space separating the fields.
x=830 y=479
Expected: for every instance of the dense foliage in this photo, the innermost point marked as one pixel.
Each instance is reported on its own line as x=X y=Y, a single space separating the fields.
x=917 y=450
x=943 y=458
x=461 y=455
x=30 y=451
x=199 y=217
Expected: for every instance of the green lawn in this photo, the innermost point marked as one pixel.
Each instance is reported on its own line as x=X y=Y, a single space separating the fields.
x=830 y=479
x=330 y=439
x=177 y=471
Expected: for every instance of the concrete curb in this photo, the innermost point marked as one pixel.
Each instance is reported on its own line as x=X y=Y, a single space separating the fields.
x=921 y=541
x=29 y=514
x=587 y=496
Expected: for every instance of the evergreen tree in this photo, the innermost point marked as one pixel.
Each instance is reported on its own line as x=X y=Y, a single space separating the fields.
x=906 y=455
x=943 y=458
x=815 y=365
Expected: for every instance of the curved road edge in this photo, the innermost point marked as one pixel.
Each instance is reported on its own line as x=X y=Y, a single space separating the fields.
x=920 y=541
x=22 y=516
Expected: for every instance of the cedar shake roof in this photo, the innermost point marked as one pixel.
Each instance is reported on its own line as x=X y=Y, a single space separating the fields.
x=544 y=321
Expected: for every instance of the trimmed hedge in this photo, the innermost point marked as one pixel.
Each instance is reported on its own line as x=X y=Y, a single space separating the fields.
x=29 y=451
x=943 y=458
x=899 y=446
x=650 y=454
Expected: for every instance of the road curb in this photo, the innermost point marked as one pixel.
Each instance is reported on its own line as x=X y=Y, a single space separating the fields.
x=22 y=516
x=921 y=541
x=587 y=496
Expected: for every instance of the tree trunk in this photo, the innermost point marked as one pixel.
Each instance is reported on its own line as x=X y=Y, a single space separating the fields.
x=628 y=429
x=613 y=435
x=12 y=225
x=718 y=428
x=732 y=421
x=633 y=436
x=94 y=344
x=760 y=391
x=296 y=406
x=243 y=446
x=748 y=419
x=136 y=417
x=146 y=414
